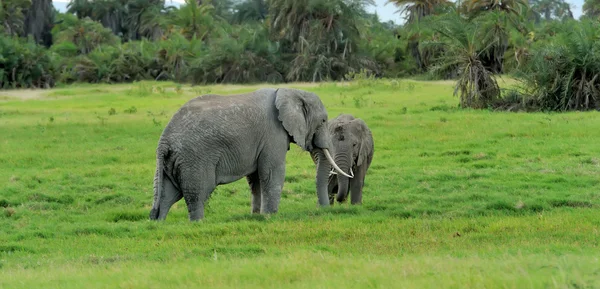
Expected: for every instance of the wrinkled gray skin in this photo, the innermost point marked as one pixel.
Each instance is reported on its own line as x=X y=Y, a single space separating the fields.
x=213 y=140
x=352 y=148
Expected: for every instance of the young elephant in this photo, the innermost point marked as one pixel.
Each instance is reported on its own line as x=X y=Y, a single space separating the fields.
x=213 y=140
x=353 y=150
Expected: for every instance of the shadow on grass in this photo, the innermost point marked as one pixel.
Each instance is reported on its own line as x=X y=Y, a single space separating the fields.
x=15 y=248
x=217 y=252
x=249 y=217
x=127 y=216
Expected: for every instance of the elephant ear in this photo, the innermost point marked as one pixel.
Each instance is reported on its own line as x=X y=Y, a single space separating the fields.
x=366 y=147
x=292 y=113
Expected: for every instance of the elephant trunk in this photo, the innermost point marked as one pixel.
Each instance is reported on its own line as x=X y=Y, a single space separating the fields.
x=345 y=162
x=322 y=177
x=335 y=166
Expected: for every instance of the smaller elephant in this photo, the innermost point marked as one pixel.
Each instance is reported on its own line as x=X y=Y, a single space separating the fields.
x=353 y=150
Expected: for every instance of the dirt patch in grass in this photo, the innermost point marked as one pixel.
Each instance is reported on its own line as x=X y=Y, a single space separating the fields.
x=22 y=94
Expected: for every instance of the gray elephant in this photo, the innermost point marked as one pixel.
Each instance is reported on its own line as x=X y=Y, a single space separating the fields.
x=353 y=150
x=213 y=140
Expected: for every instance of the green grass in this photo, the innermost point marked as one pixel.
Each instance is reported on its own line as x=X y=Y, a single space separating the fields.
x=454 y=198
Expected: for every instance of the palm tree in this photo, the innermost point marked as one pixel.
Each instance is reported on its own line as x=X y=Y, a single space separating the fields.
x=250 y=10
x=242 y=55
x=146 y=18
x=194 y=20
x=39 y=20
x=12 y=16
x=463 y=51
x=111 y=13
x=591 y=8
x=87 y=35
x=131 y=19
x=81 y=8
x=414 y=11
x=319 y=37
x=222 y=8
x=497 y=18
x=24 y=18
x=551 y=9
x=507 y=6
x=565 y=75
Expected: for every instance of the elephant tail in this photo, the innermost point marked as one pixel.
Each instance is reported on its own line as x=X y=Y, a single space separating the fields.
x=158 y=184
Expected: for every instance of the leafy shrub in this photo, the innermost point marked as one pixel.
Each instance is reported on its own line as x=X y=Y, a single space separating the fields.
x=243 y=55
x=388 y=50
x=96 y=67
x=175 y=54
x=86 y=34
x=24 y=64
x=195 y=20
x=131 y=110
x=565 y=73
x=314 y=49
x=12 y=16
x=136 y=61
x=65 y=49
x=462 y=54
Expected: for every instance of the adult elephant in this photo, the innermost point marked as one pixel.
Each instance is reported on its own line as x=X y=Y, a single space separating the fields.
x=353 y=150
x=213 y=140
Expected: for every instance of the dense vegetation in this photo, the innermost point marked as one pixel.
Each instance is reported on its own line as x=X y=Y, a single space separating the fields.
x=454 y=198
x=249 y=41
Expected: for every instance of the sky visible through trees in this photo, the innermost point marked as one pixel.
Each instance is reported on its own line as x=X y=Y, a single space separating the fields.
x=385 y=12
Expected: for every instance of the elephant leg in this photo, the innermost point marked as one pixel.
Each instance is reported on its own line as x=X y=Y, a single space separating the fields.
x=196 y=190
x=271 y=184
x=356 y=186
x=169 y=196
x=254 y=183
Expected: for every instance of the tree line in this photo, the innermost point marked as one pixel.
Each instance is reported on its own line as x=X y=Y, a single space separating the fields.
x=555 y=56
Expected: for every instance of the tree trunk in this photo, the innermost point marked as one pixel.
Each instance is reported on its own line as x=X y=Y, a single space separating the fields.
x=39 y=20
x=547 y=14
x=498 y=61
x=113 y=21
x=413 y=46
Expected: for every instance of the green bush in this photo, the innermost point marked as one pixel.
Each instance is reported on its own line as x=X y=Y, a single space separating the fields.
x=136 y=61
x=564 y=74
x=25 y=64
x=174 y=56
x=96 y=67
x=242 y=55
x=86 y=34
x=65 y=49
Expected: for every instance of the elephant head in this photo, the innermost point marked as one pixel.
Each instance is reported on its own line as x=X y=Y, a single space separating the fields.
x=304 y=117
x=353 y=152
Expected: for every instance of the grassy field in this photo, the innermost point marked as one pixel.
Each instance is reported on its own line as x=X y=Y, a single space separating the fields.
x=454 y=198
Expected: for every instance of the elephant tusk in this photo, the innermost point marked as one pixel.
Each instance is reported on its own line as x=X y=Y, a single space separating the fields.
x=330 y=159
x=333 y=172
